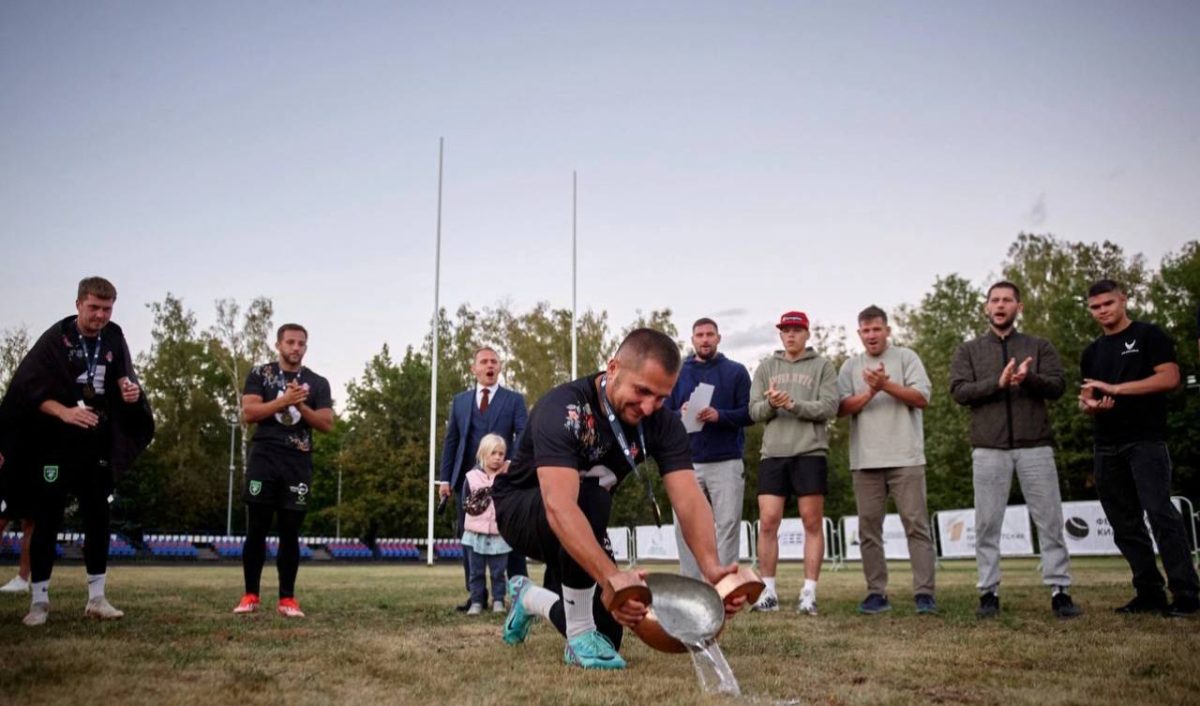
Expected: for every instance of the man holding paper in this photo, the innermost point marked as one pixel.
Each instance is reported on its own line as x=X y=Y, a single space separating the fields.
x=713 y=396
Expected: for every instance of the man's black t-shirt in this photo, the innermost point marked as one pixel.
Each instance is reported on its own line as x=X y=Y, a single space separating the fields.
x=287 y=428
x=568 y=428
x=1127 y=356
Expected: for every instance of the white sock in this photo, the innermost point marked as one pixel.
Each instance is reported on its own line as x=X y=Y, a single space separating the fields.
x=40 y=591
x=539 y=601
x=96 y=586
x=810 y=587
x=770 y=581
x=577 y=607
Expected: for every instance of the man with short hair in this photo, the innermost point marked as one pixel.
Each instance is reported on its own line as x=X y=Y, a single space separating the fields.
x=286 y=401
x=1005 y=378
x=1127 y=373
x=584 y=438
x=72 y=421
x=795 y=394
x=486 y=408
x=718 y=446
x=883 y=390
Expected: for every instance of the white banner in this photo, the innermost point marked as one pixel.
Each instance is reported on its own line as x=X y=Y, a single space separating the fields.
x=1087 y=532
x=895 y=542
x=956 y=532
x=618 y=537
x=656 y=543
x=744 y=541
x=791 y=538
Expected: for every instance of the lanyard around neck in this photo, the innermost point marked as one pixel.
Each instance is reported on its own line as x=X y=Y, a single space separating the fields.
x=627 y=451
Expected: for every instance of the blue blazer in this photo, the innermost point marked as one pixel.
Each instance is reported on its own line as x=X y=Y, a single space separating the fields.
x=506 y=416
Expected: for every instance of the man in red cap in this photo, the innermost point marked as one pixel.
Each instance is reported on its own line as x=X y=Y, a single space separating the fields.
x=795 y=394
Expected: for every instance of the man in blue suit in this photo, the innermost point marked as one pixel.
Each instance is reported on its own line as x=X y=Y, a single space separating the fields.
x=484 y=409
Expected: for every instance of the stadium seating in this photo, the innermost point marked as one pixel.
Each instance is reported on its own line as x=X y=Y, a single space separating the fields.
x=402 y=549
x=447 y=549
x=348 y=549
x=172 y=546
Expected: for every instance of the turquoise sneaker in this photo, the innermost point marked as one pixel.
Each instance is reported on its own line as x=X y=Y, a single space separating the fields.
x=516 y=625
x=592 y=650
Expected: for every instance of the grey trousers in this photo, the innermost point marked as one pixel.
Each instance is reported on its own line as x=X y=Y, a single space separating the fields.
x=907 y=486
x=1038 y=476
x=724 y=484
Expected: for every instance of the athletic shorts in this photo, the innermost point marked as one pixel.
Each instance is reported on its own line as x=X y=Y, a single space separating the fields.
x=521 y=518
x=793 y=476
x=278 y=477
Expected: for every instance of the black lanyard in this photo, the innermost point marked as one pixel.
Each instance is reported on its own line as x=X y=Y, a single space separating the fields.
x=620 y=434
x=91 y=359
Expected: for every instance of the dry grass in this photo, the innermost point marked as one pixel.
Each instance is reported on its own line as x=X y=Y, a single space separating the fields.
x=387 y=634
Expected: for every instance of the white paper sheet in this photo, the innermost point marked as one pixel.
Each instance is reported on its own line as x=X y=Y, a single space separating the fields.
x=701 y=398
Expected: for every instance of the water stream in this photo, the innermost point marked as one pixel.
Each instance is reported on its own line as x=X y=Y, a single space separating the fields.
x=714 y=673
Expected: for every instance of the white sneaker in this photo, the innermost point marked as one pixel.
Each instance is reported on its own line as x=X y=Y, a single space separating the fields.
x=807 y=604
x=37 y=615
x=475 y=609
x=767 y=603
x=498 y=607
x=17 y=585
x=101 y=609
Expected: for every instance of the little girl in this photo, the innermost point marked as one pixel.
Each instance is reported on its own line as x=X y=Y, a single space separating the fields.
x=488 y=548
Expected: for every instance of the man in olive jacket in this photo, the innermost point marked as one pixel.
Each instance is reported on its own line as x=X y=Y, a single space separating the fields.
x=1005 y=377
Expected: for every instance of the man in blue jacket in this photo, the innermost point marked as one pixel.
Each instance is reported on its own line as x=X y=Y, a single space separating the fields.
x=717 y=448
x=486 y=408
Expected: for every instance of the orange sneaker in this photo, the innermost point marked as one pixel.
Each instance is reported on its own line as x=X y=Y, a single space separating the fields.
x=248 y=604
x=289 y=608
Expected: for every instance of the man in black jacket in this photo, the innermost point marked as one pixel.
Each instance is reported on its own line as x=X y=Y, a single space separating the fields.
x=73 y=419
x=1005 y=378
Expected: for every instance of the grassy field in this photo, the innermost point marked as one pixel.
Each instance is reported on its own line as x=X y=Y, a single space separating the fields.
x=388 y=634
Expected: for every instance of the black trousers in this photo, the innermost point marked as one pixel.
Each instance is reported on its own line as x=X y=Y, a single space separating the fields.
x=521 y=517
x=91 y=483
x=1136 y=478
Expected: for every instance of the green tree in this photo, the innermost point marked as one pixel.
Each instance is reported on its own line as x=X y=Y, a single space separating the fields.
x=180 y=482
x=1174 y=296
x=14 y=344
x=238 y=342
x=945 y=317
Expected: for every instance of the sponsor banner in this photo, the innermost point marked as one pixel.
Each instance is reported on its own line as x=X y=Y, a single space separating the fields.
x=956 y=532
x=791 y=539
x=895 y=542
x=656 y=543
x=1087 y=533
x=618 y=537
x=744 y=542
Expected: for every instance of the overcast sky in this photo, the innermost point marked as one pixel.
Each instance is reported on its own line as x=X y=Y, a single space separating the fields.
x=735 y=159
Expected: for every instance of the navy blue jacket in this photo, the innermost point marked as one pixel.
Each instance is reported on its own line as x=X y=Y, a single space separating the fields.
x=725 y=438
x=506 y=416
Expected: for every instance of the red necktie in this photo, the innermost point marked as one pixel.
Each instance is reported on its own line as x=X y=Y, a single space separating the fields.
x=483 y=403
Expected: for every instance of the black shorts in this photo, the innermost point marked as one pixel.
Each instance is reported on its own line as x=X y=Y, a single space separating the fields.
x=521 y=518
x=278 y=477
x=793 y=476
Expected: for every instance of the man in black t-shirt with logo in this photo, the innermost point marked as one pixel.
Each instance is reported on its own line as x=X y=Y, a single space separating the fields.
x=287 y=401
x=583 y=439
x=72 y=420
x=1127 y=373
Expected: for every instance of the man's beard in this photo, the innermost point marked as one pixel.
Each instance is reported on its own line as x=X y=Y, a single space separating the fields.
x=1004 y=325
x=710 y=356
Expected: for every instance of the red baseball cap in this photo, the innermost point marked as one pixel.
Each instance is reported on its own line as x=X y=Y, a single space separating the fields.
x=793 y=319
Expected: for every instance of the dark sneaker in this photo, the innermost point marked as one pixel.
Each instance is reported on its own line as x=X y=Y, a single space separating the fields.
x=1183 y=607
x=874 y=604
x=1143 y=603
x=989 y=606
x=767 y=603
x=925 y=604
x=1063 y=606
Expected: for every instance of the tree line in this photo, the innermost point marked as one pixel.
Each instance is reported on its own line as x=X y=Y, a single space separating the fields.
x=379 y=446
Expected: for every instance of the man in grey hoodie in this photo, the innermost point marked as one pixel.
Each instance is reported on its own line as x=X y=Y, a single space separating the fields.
x=795 y=394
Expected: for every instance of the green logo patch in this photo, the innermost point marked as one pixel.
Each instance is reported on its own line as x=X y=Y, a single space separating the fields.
x=50 y=473
x=255 y=487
